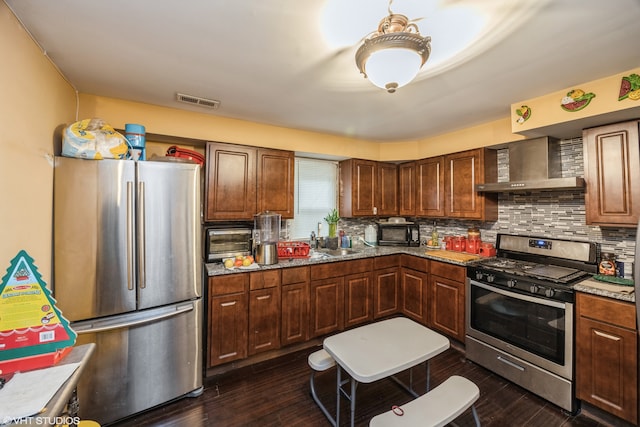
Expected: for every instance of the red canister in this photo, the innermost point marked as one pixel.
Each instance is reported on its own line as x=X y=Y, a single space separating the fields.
x=473 y=246
x=487 y=249
x=448 y=243
x=459 y=243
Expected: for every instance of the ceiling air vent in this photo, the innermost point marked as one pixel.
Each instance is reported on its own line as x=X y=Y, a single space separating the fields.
x=203 y=102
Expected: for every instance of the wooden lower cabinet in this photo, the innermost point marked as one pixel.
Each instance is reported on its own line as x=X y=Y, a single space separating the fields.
x=414 y=294
x=327 y=306
x=358 y=299
x=446 y=299
x=228 y=318
x=264 y=320
x=386 y=297
x=606 y=355
x=294 y=305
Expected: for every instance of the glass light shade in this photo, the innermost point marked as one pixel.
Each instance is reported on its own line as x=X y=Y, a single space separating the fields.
x=393 y=68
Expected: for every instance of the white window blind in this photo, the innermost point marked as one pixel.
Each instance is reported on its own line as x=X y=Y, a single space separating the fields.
x=316 y=193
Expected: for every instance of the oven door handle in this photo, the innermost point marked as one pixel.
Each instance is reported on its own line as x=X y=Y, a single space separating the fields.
x=535 y=300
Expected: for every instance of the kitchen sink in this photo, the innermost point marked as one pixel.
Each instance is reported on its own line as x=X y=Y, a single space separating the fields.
x=339 y=252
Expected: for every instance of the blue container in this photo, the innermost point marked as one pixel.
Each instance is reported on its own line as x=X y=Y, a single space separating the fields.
x=136 y=137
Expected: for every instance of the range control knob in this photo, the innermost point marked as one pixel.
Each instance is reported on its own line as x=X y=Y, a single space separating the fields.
x=479 y=275
x=534 y=289
x=490 y=278
x=549 y=292
x=511 y=283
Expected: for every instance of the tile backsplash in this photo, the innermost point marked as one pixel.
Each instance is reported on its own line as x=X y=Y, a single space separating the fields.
x=557 y=214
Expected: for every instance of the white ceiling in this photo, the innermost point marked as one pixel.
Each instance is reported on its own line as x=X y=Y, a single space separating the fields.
x=268 y=61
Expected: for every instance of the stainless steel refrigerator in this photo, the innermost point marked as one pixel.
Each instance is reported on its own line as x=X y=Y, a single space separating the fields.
x=128 y=276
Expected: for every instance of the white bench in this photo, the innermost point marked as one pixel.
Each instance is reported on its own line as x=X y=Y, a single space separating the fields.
x=436 y=408
x=320 y=361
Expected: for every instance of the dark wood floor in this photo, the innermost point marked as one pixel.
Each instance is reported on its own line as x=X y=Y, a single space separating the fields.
x=276 y=393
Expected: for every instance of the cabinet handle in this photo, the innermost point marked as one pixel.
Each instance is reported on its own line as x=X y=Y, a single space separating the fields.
x=227 y=304
x=611 y=337
x=263 y=297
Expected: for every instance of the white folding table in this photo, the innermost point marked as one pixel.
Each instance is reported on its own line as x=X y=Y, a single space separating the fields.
x=380 y=350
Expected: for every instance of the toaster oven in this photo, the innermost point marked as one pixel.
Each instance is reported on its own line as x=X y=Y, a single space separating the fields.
x=227 y=240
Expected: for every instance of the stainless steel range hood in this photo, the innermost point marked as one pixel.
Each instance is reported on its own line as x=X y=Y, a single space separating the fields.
x=534 y=164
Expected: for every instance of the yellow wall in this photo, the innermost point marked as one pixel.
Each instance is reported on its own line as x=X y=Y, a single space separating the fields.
x=174 y=122
x=546 y=110
x=35 y=100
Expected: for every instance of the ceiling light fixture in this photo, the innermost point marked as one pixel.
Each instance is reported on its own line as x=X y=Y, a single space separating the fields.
x=392 y=56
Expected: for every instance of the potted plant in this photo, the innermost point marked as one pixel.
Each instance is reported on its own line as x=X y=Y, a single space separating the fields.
x=332 y=219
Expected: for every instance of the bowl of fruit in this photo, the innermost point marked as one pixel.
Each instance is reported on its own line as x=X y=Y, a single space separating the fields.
x=242 y=262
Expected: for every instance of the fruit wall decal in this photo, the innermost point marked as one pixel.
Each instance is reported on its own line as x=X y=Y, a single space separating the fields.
x=524 y=112
x=576 y=100
x=630 y=87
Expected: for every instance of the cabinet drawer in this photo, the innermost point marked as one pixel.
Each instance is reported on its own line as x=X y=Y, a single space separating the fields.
x=358 y=266
x=619 y=313
x=228 y=284
x=415 y=263
x=325 y=271
x=264 y=279
x=386 y=262
x=448 y=271
x=295 y=275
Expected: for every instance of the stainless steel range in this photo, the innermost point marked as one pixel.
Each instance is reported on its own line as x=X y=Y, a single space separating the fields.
x=520 y=312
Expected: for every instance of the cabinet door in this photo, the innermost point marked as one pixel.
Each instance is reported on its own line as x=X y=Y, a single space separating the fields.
x=430 y=189
x=264 y=320
x=230 y=184
x=612 y=173
x=327 y=306
x=446 y=312
x=387 y=189
x=357 y=188
x=407 y=189
x=386 y=292
x=275 y=182
x=295 y=313
x=228 y=318
x=358 y=299
x=463 y=171
x=414 y=294
x=606 y=367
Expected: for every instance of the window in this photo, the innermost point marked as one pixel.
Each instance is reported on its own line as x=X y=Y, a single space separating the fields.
x=316 y=193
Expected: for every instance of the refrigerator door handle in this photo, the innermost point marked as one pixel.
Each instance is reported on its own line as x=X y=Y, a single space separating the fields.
x=142 y=268
x=104 y=326
x=130 y=235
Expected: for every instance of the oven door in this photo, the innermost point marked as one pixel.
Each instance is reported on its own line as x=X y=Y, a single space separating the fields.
x=537 y=330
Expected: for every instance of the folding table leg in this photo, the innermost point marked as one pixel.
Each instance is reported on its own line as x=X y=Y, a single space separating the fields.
x=354 y=385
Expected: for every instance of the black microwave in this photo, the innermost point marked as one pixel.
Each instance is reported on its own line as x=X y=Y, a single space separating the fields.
x=398 y=234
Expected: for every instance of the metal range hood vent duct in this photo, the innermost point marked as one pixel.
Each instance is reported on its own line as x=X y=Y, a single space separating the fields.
x=534 y=164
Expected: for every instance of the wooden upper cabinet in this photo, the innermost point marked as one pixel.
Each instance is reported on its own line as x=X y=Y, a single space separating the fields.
x=462 y=172
x=430 y=189
x=387 y=189
x=357 y=188
x=407 y=189
x=242 y=181
x=275 y=182
x=612 y=174
x=230 y=182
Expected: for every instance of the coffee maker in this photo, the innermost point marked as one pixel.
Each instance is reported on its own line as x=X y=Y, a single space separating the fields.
x=266 y=233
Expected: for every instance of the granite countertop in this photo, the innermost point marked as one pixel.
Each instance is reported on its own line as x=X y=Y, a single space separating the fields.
x=592 y=286
x=216 y=269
